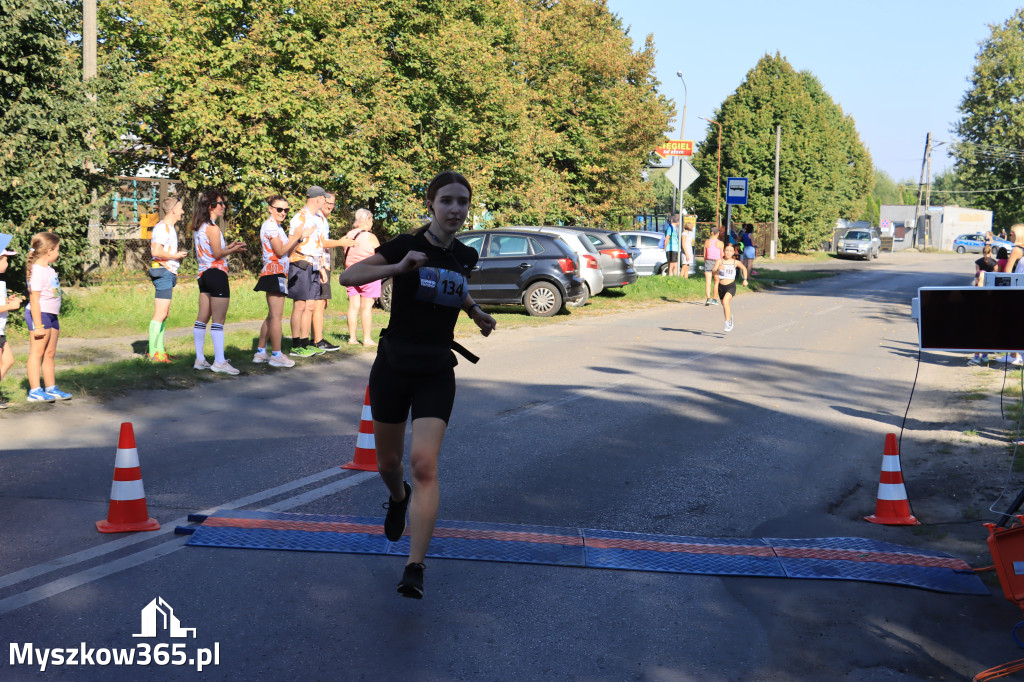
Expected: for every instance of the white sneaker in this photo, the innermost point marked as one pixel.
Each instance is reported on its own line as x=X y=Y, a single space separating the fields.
x=728 y=325
x=281 y=360
x=200 y=363
x=223 y=368
x=260 y=357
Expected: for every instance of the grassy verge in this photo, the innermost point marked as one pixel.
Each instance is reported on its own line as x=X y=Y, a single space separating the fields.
x=117 y=316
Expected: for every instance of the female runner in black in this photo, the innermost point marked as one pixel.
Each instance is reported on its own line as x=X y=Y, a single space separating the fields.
x=414 y=368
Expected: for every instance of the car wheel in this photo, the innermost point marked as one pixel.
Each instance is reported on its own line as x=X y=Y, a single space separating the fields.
x=542 y=299
x=875 y=255
x=663 y=270
x=582 y=300
x=961 y=249
x=385 y=295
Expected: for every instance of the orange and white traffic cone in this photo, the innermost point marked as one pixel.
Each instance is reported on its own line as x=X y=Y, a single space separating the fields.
x=366 y=448
x=127 y=510
x=892 y=507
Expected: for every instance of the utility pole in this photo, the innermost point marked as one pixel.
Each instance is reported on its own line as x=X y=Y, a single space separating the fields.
x=775 y=218
x=920 y=186
x=88 y=39
x=928 y=197
x=88 y=73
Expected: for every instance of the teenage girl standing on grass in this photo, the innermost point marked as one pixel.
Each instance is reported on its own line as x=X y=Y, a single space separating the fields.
x=163 y=271
x=8 y=302
x=415 y=366
x=214 y=291
x=42 y=316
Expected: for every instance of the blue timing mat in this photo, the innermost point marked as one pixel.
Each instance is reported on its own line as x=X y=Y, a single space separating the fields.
x=818 y=558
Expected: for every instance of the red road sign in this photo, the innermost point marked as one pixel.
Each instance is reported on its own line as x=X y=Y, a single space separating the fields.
x=675 y=148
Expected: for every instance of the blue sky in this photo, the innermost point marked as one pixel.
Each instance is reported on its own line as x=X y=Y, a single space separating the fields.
x=900 y=67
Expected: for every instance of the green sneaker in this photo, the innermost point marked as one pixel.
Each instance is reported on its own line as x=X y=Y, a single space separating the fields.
x=304 y=352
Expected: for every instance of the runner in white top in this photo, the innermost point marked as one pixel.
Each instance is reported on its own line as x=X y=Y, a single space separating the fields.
x=305 y=279
x=214 y=290
x=273 y=279
x=163 y=271
x=725 y=273
x=317 y=323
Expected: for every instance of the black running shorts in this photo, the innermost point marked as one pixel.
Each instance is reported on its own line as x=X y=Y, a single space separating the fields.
x=393 y=393
x=215 y=283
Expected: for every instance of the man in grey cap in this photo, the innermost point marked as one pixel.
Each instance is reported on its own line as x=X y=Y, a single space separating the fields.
x=7 y=304
x=304 y=278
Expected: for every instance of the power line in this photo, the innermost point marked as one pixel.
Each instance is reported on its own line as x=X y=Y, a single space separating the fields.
x=977 y=191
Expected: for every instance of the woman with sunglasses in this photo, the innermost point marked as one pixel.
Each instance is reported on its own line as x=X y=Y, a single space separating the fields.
x=214 y=291
x=273 y=279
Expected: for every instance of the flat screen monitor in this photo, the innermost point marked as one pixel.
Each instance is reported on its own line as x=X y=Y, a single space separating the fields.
x=971 y=319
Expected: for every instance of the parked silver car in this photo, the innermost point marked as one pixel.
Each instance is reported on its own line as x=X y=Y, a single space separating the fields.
x=652 y=259
x=860 y=242
x=586 y=252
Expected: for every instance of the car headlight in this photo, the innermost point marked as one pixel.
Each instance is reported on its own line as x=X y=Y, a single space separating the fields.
x=842 y=242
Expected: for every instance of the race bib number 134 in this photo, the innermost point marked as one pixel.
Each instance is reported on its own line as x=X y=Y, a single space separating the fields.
x=443 y=287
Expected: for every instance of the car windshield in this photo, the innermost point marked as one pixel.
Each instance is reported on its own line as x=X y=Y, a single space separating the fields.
x=588 y=245
x=858 y=235
x=618 y=240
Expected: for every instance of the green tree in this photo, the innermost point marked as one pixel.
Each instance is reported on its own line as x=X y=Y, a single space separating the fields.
x=51 y=130
x=543 y=106
x=825 y=170
x=991 y=127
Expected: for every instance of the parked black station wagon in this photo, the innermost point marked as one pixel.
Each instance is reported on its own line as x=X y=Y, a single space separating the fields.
x=538 y=271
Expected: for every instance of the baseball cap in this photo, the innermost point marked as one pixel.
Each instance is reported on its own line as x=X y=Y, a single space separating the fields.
x=5 y=239
x=316 y=191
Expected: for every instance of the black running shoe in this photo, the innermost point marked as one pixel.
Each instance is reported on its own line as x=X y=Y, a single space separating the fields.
x=411 y=584
x=324 y=344
x=394 y=521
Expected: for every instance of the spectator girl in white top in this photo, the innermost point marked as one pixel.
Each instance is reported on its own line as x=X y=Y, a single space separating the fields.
x=214 y=291
x=276 y=246
x=43 y=318
x=415 y=367
x=163 y=271
x=725 y=273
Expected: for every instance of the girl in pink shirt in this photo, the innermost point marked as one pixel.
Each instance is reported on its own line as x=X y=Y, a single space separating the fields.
x=43 y=318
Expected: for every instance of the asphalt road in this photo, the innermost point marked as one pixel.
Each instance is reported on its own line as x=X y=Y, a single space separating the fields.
x=653 y=422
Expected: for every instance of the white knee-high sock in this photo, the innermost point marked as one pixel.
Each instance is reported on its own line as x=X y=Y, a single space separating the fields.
x=199 y=337
x=217 y=334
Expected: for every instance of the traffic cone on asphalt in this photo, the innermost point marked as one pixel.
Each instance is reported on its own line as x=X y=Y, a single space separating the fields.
x=893 y=507
x=127 y=510
x=366 y=449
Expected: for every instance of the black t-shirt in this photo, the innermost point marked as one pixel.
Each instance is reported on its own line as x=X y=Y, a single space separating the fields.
x=986 y=264
x=425 y=303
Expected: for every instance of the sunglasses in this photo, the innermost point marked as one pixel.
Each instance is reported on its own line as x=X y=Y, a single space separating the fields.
x=281 y=209
x=220 y=203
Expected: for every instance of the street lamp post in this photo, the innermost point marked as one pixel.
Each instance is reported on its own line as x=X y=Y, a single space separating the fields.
x=718 y=186
x=682 y=136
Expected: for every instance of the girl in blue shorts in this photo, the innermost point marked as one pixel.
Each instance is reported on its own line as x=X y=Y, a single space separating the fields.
x=43 y=318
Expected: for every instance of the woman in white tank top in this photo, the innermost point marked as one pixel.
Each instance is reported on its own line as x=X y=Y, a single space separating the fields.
x=725 y=273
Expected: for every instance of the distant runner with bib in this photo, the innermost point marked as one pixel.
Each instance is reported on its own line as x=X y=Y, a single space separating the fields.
x=414 y=368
